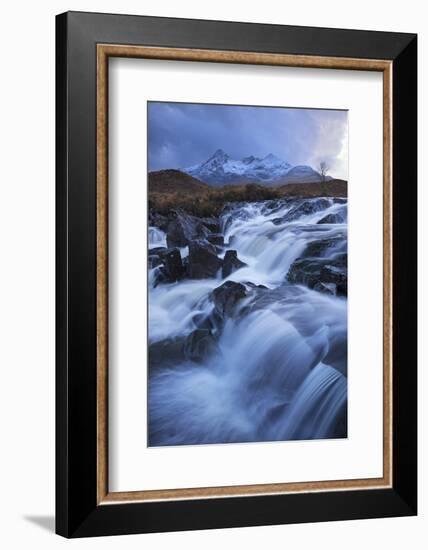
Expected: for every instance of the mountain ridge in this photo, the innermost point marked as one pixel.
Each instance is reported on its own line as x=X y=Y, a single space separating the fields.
x=220 y=169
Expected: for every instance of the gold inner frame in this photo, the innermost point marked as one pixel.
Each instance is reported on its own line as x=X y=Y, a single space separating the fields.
x=104 y=51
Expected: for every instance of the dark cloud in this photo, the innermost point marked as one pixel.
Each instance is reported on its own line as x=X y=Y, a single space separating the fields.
x=183 y=134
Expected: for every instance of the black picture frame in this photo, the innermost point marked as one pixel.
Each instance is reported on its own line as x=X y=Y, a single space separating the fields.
x=77 y=511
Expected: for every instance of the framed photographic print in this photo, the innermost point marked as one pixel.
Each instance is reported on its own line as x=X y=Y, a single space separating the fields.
x=236 y=274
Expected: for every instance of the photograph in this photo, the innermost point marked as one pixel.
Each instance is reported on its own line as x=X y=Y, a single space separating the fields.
x=185 y=364
x=247 y=273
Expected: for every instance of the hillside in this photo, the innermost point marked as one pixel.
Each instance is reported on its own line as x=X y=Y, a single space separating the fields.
x=171 y=181
x=330 y=188
x=169 y=189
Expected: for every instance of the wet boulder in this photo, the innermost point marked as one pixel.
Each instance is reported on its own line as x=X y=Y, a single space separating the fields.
x=173 y=266
x=183 y=228
x=226 y=297
x=331 y=218
x=202 y=262
x=340 y=216
x=231 y=263
x=305 y=272
x=158 y=220
x=157 y=250
x=320 y=247
x=305 y=208
x=328 y=275
x=170 y=259
x=253 y=286
x=326 y=288
x=158 y=276
x=204 y=321
x=275 y=205
x=154 y=261
x=335 y=274
x=211 y=223
x=216 y=239
x=234 y=211
x=155 y=256
x=168 y=352
x=199 y=344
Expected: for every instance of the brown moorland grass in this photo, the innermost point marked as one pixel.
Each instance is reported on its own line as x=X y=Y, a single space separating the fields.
x=170 y=189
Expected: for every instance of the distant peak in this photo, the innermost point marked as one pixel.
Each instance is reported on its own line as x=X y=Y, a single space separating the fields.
x=219 y=153
x=271 y=156
x=249 y=160
x=221 y=169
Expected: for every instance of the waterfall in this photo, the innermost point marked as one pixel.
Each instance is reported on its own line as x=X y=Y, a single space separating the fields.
x=157 y=237
x=276 y=369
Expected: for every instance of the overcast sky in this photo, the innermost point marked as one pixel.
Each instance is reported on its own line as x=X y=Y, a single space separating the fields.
x=183 y=134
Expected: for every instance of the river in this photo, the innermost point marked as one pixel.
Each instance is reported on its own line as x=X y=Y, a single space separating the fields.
x=276 y=369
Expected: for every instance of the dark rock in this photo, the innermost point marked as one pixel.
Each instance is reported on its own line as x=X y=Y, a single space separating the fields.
x=158 y=220
x=310 y=229
x=304 y=209
x=340 y=200
x=159 y=275
x=235 y=212
x=183 y=228
x=231 y=263
x=339 y=217
x=251 y=285
x=211 y=223
x=203 y=321
x=216 y=238
x=156 y=255
x=170 y=258
x=263 y=298
x=331 y=218
x=199 y=344
x=226 y=296
x=320 y=247
x=305 y=272
x=164 y=353
x=321 y=273
x=274 y=205
x=340 y=430
x=202 y=260
x=340 y=261
x=326 y=288
x=342 y=289
x=173 y=265
x=154 y=261
x=185 y=262
x=158 y=251
x=335 y=274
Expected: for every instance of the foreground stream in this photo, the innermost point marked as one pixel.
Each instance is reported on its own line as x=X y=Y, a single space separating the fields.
x=265 y=357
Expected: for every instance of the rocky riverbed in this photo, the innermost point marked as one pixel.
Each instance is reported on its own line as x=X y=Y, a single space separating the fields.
x=248 y=323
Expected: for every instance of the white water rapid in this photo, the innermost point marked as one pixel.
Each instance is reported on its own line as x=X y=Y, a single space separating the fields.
x=276 y=369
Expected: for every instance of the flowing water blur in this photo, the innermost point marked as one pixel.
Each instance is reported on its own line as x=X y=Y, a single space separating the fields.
x=278 y=370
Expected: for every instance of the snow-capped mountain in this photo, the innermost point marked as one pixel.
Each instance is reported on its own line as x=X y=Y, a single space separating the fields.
x=220 y=169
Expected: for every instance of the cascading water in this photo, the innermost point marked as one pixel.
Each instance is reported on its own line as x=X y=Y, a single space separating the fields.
x=156 y=237
x=276 y=368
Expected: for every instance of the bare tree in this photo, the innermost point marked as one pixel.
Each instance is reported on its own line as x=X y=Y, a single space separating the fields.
x=323 y=168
